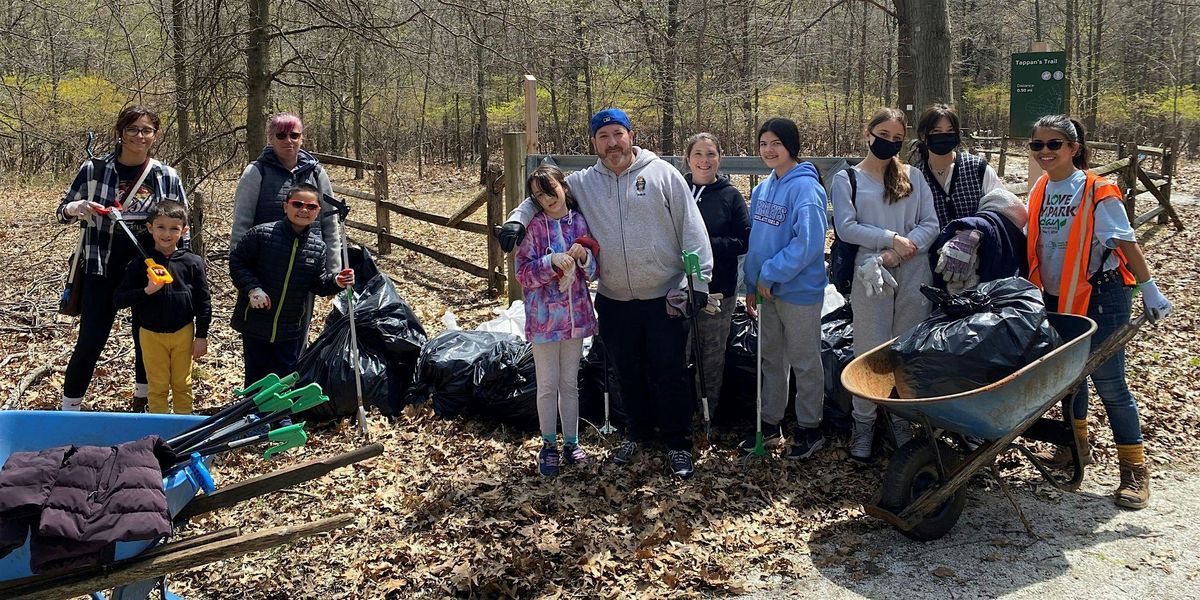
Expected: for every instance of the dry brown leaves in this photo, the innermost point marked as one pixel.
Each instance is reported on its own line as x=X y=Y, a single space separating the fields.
x=455 y=508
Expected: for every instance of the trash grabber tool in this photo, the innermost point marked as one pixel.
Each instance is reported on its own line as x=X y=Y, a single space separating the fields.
x=154 y=271
x=607 y=428
x=279 y=406
x=759 y=448
x=292 y=436
x=253 y=396
x=691 y=266
x=342 y=210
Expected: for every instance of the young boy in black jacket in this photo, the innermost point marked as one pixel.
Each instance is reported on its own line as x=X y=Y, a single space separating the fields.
x=276 y=268
x=174 y=317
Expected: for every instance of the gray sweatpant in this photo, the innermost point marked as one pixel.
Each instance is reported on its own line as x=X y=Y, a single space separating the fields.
x=714 y=337
x=557 y=368
x=791 y=341
x=879 y=319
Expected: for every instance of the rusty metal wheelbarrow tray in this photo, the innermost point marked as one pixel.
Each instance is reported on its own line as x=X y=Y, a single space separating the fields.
x=922 y=493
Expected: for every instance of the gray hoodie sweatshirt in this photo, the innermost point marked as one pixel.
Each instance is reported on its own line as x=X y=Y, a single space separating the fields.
x=643 y=219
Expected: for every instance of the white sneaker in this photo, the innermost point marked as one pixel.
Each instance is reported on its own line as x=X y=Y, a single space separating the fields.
x=71 y=404
x=861 y=439
x=902 y=428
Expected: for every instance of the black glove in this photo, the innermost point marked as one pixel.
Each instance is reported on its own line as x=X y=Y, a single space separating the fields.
x=511 y=234
x=699 y=301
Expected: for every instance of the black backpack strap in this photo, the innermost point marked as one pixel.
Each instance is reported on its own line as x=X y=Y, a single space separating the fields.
x=853 y=186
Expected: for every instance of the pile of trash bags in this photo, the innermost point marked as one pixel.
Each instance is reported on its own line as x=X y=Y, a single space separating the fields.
x=987 y=333
x=390 y=339
x=485 y=375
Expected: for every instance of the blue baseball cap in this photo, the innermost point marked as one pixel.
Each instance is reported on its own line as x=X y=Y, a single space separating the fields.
x=609 y=116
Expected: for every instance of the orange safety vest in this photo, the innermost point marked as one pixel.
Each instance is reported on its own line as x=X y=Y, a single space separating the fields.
x=1075 y=292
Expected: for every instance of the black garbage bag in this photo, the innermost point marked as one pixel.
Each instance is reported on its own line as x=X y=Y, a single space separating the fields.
x=837 y=350
x=389 y=342
x=479 y=375
x=364 y=267
x=506 y=385
x=986 y=334
x=738 y=386
x=594 y=372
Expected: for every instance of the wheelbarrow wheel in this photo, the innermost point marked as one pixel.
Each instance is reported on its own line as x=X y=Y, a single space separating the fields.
x=911 y=472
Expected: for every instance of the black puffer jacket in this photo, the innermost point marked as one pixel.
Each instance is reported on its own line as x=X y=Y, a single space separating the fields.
x=183 y=301
x=288 y=266
x=728 y=222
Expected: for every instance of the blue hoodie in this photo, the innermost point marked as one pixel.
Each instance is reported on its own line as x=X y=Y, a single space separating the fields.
x=787 y=236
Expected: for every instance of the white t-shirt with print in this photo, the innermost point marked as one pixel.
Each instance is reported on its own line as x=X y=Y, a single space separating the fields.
x=1059 y=206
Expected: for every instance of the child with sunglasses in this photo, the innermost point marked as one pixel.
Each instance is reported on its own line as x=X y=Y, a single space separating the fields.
x=1084 y=254
x=277 y=267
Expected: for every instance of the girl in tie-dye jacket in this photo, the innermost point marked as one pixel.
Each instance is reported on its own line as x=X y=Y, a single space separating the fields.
x=554 y=264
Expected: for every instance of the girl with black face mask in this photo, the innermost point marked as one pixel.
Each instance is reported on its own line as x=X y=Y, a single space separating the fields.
x=957 y=180
x=889 y=215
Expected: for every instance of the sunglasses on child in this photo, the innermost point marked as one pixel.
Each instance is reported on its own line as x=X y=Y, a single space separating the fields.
x=283 y=135
x=298 y=205
x=1053 y=145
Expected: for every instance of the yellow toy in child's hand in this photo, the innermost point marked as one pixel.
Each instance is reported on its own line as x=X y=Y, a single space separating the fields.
x=158 y=274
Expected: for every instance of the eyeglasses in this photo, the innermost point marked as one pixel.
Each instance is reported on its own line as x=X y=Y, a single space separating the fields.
x=1054 y=145
x=142 y=131
x=298 y=205
x=282 y=135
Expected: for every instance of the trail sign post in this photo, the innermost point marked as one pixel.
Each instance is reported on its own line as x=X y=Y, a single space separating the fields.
x=1039 y=82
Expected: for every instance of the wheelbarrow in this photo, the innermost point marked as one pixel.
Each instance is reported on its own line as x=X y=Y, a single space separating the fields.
x=140 y=566
x=923 y=490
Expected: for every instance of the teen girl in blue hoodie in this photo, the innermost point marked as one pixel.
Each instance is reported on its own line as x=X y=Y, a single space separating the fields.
x=786 y=267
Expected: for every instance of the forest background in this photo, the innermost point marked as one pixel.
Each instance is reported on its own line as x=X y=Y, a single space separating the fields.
x=438 y=81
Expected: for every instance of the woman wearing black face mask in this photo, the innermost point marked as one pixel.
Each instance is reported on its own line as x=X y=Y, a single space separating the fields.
x=957 y=180
x=888 y=214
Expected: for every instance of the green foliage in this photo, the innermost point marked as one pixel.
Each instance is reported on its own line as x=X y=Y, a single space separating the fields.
x=1182 y=102
x=71 y=104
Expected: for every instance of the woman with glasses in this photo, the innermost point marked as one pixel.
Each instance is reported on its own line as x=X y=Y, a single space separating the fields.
x=265 y=184
x=1084 y=255
x=129 y=178
x=276 y=268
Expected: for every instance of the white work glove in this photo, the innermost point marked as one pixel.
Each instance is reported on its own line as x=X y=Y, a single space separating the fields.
x=957 y=254
x=259 y=299
x=568 y=278
x=1154 y=303
x=81 y=209
x=714 y=304
x=874 y=276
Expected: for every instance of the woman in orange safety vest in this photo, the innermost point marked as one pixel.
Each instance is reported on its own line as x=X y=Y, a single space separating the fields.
x=1084 y=255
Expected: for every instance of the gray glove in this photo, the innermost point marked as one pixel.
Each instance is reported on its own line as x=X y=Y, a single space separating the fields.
x=259 y=298
x=874 y=277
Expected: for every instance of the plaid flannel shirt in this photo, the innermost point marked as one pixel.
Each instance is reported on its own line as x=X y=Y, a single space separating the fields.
x=98 y=236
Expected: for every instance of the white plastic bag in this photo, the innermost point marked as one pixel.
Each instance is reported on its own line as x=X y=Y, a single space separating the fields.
x=833 y=300
x=508 y=320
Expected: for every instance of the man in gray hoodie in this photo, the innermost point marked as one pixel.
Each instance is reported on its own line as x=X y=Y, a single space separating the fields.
x=642 y=214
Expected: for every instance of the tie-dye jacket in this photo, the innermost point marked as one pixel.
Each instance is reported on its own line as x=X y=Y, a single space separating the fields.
x=552 y=315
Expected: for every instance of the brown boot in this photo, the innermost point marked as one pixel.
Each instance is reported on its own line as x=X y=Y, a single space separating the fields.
x=1134 y=491
x=1061 y=457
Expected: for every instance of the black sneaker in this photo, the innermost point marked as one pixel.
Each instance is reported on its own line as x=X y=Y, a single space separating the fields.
x=573 y=454
x=548 y=460
x=805 y=443
x=625 y=453
x=681 y=463
x=772 y=438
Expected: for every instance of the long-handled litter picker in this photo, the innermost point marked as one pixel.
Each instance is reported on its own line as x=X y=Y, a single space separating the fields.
x=254 y=398
x=607 y=428
x=342 y=210
x=759 y=448
x=691 y=266
x=280 y=406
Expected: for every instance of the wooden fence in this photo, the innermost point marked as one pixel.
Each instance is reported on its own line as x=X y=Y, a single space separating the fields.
x=490 y=196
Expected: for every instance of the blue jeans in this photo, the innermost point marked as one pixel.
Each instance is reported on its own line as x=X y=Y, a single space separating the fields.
x=1110 y=309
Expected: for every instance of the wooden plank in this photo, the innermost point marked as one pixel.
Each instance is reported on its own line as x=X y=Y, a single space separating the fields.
x=469 y=207
x=85 y=581
x=1150 y=214
x=421 y=215
x=531 y=114
x=495 y=217
x=353 y=193
x=515 y=166
x=342 y=161
x=445 y=259
x=275 y=481
x=192 y=542
x=1112 y=167
x=1164 y=201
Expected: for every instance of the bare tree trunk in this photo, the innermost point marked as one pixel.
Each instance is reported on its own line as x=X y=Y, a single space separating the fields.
x=358 y=108
x=481 y=132
x=906 y=85
x=669 y=74
x=1070 y=50
x=258 y=84
x=931 y=51
x=183 y=125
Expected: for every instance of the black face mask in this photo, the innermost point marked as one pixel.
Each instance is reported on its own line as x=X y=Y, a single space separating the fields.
x=942 y=143
x=883 y=149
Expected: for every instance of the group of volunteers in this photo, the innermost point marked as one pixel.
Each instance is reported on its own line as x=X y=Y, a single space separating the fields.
x=947 y=220
x=284 y=249
x=626 y=223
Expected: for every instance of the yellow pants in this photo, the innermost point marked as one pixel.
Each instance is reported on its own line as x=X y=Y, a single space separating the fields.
x=168 y=361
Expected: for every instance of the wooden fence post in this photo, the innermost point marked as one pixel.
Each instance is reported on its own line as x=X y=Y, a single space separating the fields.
x=495 y=218
x=383 y=216
x=1170 y=147
x=1003 y=155
x=514 y=188
x=1131 y=180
